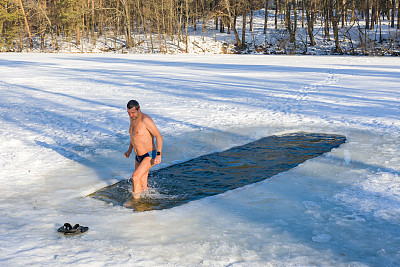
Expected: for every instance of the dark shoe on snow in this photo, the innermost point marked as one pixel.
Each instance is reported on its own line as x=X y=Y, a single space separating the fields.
x=67 y=229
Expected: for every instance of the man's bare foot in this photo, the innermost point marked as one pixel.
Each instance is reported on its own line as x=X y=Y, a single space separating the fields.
x=130 y=204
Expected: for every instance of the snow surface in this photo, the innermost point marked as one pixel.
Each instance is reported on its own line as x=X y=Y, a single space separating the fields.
x=63 y=130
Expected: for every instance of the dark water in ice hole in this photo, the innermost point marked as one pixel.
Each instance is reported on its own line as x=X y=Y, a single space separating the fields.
x=219 y=172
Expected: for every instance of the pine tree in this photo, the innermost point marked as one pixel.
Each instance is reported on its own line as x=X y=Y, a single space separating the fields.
x=10 y=17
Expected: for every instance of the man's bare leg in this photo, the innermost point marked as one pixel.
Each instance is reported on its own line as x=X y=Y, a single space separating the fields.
x=145 y=176
x=139 y=177
x=143 y=181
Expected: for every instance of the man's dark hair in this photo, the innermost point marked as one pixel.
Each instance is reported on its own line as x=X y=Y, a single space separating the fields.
x=133 y=104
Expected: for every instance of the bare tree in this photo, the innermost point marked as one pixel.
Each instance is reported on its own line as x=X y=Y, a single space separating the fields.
x=266 y=15
x=309 y=22
x=334 y=7
x=26 y=24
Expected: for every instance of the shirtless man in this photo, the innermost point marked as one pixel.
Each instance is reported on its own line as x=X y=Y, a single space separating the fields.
x=142 y=132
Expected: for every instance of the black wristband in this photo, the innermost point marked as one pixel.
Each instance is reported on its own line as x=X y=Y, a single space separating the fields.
x=158 y=153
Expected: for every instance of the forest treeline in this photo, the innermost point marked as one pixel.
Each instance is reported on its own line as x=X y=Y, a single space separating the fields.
x=28 y=23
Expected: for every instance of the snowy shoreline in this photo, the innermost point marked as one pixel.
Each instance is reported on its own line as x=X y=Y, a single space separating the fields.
x=64 y=129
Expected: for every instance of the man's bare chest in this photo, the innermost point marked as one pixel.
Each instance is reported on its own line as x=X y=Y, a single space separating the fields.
x=138 y=131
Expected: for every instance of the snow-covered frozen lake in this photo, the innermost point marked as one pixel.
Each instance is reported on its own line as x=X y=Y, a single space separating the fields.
x=63 y=130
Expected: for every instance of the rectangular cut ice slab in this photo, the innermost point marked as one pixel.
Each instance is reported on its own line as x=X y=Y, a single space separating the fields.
x=219 y=172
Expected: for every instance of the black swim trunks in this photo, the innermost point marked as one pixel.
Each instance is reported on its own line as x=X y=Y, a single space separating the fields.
x=139 y=159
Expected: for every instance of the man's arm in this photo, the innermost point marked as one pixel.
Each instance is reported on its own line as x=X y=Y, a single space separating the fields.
x=128 y=153
x=152 y=128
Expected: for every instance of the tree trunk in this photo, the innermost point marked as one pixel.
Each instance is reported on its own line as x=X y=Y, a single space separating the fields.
x=302 y=13
x=392 y=14
x=127 y=23
x=367 y=15
x=295 y=21
x=251 y=16
x=335 y=19
x=309 y=23
x=233 y=24
x=266 y=16
x=398 y=14
x=326 y=20
x=276 y=14
x=26 y=25
x=373 y=16
x=288 y=20
x=100 y=26
x=239 y=42
x=343 y=12
x=77 y=27
x=244 y=29
x=92 y=20
x=77 y=35
x=186 y=25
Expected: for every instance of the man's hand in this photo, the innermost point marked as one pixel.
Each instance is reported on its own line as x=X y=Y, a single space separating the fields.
x=127 y=153
x=157 y=160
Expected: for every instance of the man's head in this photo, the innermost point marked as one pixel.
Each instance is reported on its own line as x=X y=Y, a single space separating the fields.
x=133 y=109
x=133 y=104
